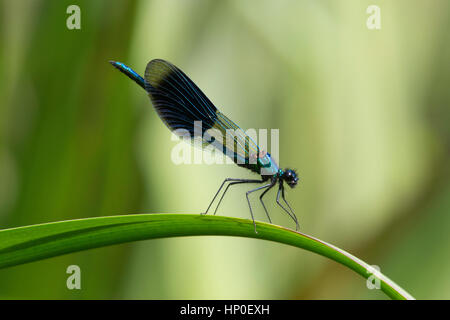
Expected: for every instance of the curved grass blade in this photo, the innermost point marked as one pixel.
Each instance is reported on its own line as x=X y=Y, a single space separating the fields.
x=31 y=243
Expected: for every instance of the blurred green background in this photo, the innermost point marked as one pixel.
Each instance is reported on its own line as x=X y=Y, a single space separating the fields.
x=363 y=115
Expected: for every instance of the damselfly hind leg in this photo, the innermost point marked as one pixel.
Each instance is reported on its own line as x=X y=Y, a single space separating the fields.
x=226 y=189
x=233 y=181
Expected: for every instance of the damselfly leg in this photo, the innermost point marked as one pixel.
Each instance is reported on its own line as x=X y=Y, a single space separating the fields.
x=297 y=226
x=292 y=215
x=233 y=181
x=262 y=202
x=248 y=200
x=226 y=189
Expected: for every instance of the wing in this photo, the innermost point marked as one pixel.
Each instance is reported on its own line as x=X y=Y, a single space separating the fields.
x=181 y=105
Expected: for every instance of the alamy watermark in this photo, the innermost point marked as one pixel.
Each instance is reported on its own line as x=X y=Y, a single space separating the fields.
x=373 y=281
x=374 y=20
x=211 y=146
x=74 y=280
x=74 y=20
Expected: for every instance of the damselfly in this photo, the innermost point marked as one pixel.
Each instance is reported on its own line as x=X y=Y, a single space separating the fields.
x=181 y=105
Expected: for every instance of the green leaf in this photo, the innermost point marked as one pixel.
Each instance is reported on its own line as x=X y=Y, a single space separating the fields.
x=30 y=243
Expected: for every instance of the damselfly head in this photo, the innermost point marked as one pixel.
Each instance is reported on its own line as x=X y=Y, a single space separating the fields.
x=290 y=177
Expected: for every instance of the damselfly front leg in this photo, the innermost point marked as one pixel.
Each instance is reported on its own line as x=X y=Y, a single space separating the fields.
x=292 y=215
x=292 y=211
